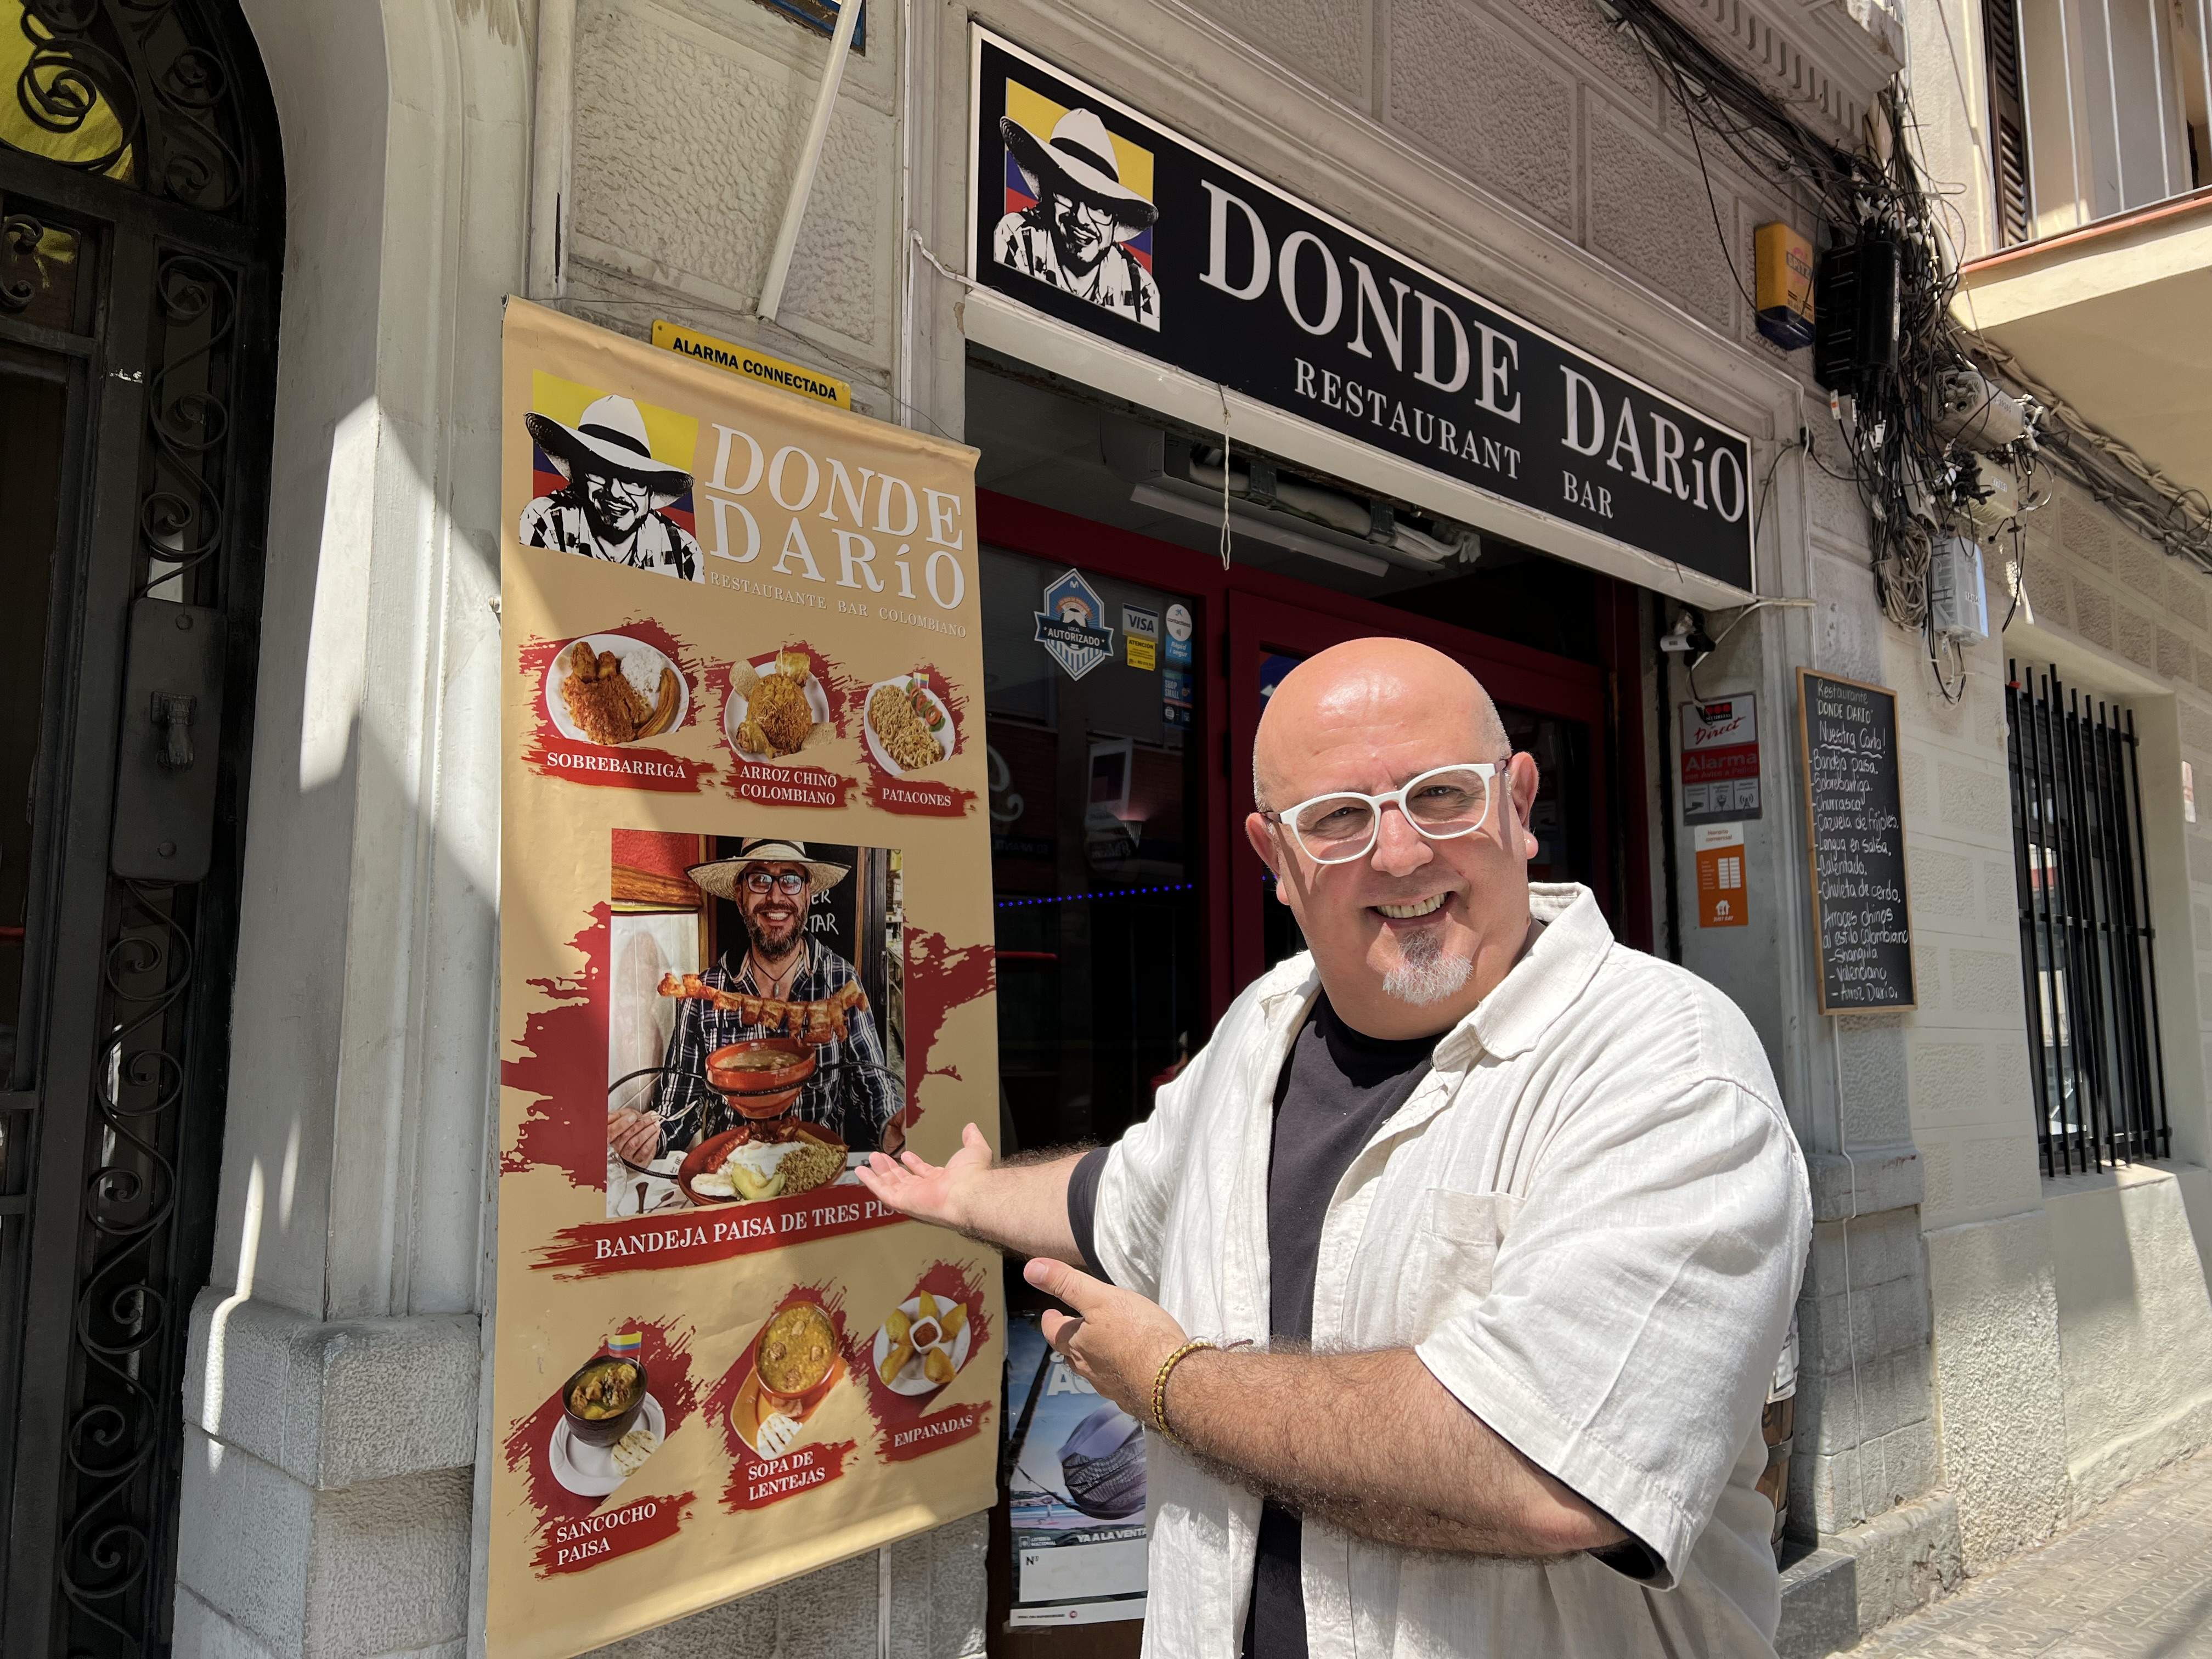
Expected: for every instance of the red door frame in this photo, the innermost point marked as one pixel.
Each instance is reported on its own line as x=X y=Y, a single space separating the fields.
x=1240 y=612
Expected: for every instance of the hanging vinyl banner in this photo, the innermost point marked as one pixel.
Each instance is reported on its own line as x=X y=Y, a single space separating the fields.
x=745 y=935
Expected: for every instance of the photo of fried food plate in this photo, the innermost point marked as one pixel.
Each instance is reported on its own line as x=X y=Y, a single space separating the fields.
x=925 y=1335
x=928 y=718
x=770 y=1423
x=737 y=708
x=657 y=684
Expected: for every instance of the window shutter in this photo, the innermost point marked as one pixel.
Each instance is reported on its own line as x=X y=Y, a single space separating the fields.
x=2007 y=118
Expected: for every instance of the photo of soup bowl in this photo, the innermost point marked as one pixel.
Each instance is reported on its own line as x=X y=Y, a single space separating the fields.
x=602 y=1400
x=795 y=1357
x=761 y=1078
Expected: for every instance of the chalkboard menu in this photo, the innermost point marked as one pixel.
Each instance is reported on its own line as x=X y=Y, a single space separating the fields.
x=1855 y=835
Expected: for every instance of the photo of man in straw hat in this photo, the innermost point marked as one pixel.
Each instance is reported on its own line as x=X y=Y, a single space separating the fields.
x=1072 y=235
x=610 y=508
x=773 y=882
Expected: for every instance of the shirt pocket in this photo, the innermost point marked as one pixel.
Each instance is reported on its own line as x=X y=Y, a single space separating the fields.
x=1455 y=1248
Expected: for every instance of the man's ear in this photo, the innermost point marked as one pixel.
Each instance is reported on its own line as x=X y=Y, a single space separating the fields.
x=1255 y=831
x=1521 y=770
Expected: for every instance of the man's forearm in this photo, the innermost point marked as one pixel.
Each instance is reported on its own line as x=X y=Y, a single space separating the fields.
x=1020 y=1207
x=1374 y=1445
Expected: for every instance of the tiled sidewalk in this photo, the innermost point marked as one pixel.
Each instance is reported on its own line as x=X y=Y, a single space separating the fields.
x=2134 y=1581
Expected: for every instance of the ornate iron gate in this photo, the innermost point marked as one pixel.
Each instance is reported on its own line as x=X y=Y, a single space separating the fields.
x=141 y=236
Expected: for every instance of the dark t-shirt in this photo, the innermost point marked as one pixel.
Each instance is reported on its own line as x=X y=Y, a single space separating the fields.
x=1338 y=1089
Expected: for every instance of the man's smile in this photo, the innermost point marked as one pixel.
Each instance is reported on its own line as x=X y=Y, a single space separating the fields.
x=1412 y=910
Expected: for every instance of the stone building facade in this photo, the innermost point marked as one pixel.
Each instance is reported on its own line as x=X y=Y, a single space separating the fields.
x=1984 y=1351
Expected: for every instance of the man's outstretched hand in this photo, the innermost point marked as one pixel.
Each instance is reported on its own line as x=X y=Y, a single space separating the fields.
x=1116 y=1339
x=929 y=1192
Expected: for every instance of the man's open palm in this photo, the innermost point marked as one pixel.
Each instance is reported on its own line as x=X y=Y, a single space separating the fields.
x=927 y=1192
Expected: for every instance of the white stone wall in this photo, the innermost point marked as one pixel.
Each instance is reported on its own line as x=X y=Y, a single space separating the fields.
x=689 y=119
x=2073 y=1325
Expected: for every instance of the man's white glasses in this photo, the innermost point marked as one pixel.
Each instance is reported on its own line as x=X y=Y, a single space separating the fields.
x=1444 y=805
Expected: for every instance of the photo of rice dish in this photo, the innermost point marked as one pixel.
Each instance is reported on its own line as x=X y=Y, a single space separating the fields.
x=614 y=689
x=778 y=716
x=773 y=711
x=757 y=1169
x=904 y=718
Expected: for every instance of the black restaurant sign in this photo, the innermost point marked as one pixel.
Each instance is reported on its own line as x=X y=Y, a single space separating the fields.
x=1094 y=214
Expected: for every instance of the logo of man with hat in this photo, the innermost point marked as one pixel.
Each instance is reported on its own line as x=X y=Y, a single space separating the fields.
x=773 y=882
x=610 y=505
x=1072 y=235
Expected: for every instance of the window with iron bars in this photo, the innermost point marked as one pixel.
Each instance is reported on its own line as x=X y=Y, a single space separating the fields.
x=2087 y=946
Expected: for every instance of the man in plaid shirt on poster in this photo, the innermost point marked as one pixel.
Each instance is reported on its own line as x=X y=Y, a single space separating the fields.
x=773 y=881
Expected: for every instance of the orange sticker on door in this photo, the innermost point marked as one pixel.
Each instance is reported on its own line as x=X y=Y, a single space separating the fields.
x=1722 y=901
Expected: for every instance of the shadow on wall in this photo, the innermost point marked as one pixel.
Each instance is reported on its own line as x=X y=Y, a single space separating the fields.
x=2135 y=1325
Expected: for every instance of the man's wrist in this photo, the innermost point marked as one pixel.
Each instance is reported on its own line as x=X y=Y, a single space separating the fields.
x=1177 y=1397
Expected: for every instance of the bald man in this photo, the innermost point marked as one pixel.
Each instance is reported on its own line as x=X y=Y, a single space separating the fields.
x=1491 y=1227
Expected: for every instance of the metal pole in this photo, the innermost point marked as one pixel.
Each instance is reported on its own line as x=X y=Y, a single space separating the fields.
x=2080 y=1038
x=2158 y=80
x=2149 y=937
x=2059 y=981
x=2112 y=91
x=2129 y=938
x=809 y=157
x=552 y=122
x=2023 y=865
x=2100 y=1103
x=2027 y=124
x=2205 y=65
x=2119 y=997
x=2066 y=55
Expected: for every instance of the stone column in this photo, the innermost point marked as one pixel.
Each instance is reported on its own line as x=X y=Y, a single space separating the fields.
x=332 y=1404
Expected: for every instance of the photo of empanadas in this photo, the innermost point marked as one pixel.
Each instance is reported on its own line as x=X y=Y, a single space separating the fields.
x=921 y=1344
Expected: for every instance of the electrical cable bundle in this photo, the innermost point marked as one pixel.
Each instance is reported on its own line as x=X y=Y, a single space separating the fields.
x=1919 y=484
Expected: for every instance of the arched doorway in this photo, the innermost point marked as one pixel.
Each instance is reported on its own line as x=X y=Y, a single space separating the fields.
x=141 y=242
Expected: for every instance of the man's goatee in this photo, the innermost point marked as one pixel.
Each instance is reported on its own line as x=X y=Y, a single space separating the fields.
x=1426 y=975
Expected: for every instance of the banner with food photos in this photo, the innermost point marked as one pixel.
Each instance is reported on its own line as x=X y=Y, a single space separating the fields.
x=746 y=940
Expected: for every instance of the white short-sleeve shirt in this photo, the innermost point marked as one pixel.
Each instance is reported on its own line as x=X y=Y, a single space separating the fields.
x=1589 y=1221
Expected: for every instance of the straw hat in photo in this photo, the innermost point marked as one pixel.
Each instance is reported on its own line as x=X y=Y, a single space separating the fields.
x=1080 y=154
x=610 y=438
x=719 y=879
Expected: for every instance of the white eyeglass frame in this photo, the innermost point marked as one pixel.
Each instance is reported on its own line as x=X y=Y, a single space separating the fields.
x=1490 y=772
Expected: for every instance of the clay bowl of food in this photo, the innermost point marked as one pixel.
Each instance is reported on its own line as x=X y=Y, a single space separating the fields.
x=796 y=1358
x=761 y=1078
x=602 y=1400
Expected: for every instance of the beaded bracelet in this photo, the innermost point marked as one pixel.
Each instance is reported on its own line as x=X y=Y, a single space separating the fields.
x=1160 y=1383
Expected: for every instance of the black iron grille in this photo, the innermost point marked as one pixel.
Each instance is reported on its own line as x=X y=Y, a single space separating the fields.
x=2088 y=967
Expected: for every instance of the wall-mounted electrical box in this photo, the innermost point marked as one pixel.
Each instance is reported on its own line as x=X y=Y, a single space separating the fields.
x=1784 y=262
x=1958 y=599
x=1855 y=318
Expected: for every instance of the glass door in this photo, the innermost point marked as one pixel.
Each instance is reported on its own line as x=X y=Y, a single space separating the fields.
x=1097 y=844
